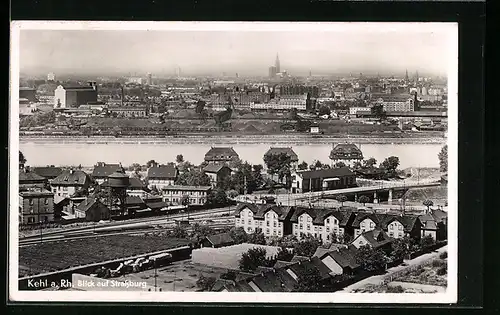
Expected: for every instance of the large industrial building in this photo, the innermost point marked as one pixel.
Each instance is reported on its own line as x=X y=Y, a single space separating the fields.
x=74 y=96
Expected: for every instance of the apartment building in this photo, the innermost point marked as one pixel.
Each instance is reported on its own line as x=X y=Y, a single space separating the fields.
x=271 y=219
x=325 y=224
x=197 y=195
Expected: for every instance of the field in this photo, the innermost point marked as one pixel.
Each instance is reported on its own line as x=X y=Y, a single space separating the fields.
x=432 y=273
x=180 y=276
x=438 y=194
x=227 y=257
x=55 y=256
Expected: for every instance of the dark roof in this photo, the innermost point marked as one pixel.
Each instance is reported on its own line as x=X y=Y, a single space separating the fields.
x=269 y=282
x=88 y=204
x=221 y=154
x=77 y=87
x=346 y=151
x=391 y=97
x=382 y=220
x=297 y=258
x=319 y=215
x=71 y=178
x=162 y=172
x=186 y=188
x=377 y=238
x=326 y=173
x=301 y=266
x=428 y=222
x=282 y=263
x=28 y=176
x=289 y=151
x=439 y=215
x=134 y=200
x=36 y=193
x=48 y=171
x=157 y=205
x=260 y=210
x=104 y=170
x=345 y=257
x=215 y=168
x=220 y=239
x=136 y=184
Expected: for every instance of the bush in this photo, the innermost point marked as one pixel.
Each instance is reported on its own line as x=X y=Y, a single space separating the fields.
x=438 y=263
x=205 y=283
x=396 y=289
x=442 y=271
x=443 y=255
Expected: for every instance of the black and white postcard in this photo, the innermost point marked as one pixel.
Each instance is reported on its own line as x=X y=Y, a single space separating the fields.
x=233 y=162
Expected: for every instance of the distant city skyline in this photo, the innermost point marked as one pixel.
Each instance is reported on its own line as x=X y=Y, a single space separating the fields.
x=248 y=53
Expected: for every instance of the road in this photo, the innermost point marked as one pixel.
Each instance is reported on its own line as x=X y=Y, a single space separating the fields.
x=377 y=280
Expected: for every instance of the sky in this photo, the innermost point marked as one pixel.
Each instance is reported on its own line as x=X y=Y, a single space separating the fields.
x=366 y=48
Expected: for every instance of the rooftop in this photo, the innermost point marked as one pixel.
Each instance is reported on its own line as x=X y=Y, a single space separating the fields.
x=71 y=177
x=187 y=188
x=326 y=173
x=260 y=210
x=288 y=151
x=168 y=171
x=346 y=151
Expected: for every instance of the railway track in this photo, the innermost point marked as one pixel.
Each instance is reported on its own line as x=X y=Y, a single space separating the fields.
x=119 y=231
x=125 y=223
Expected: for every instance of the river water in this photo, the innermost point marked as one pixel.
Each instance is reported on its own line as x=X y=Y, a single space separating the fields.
x=87 y=154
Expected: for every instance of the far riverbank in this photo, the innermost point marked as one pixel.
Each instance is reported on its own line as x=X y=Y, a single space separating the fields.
x=236 y=139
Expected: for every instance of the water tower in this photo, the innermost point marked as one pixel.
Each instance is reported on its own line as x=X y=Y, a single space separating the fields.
x=117 y=192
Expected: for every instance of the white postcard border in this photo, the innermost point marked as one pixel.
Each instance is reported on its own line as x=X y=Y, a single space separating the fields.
x=450 y=296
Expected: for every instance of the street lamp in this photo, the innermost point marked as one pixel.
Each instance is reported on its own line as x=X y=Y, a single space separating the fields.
x=156 y=275
x=41 y=232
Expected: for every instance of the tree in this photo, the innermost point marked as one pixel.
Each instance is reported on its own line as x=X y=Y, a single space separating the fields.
x=217 y=197
x=284 y=254
x=288 y=241
x=185 y=200
x=307 y=246
x=257 y=237
x=309 y=280
x=339 y=164
x=179 y=158
x=318 y=164
x=179 y=232
x=371 y=259
x=426 y=241
x=378 y=111
x=232 y=193
x=252 y=259
x=370 y=163
x=390 y=165
x=302 y=166
x=205 y=283
x=22 y=159
x=364 y=199
x=239 y=235
x=150 y=163
x=193 y=178
x=278 y=164
x=401 y=248
x=428 y=203
x=324 y=110
x=341 y=198
x=200 y=106
x=443 y=159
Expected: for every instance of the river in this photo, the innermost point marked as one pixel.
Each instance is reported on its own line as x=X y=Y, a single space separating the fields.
x=87 y=154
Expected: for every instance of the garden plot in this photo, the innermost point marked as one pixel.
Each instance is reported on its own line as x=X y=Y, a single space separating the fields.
x=53 y=256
